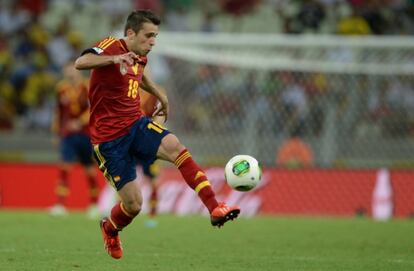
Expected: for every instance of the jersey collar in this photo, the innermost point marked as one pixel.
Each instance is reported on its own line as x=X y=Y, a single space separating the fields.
x=141 y=59
x=123 y=44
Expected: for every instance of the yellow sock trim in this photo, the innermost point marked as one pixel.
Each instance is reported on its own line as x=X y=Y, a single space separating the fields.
x=199 y=174
x=113 y=223
x=153 y=203
x=181 y=158
x=125 y=211
x=62 y=191
x=201 y=186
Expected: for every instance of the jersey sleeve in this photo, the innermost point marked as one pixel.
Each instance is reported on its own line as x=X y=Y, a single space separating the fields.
x=103 y=47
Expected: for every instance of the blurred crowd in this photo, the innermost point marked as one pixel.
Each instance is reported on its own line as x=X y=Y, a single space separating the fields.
x=37 y=37
x=289 y=103
x=361 y=17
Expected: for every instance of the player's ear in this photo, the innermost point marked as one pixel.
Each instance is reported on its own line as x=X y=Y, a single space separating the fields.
x=130 y=33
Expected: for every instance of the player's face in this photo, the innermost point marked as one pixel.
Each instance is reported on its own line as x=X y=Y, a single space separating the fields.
x=142 y=42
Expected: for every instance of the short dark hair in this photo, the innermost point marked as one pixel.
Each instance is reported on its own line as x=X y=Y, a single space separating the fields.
x=137 y=18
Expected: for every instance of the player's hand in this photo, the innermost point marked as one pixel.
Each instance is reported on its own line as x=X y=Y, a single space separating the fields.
x=162 y=107
x=127 y=58
x=124 y=60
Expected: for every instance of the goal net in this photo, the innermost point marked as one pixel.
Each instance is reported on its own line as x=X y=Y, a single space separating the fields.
x=349 y=99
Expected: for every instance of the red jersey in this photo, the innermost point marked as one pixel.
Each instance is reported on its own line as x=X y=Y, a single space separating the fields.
x=114 y=99
x=72 y=105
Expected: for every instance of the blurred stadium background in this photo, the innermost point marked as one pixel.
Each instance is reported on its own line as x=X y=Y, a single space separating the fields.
x=329 y=82
x=350 y=99
x=321 y=92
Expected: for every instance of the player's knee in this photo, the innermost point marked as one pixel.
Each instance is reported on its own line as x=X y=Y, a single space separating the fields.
x=171 y=147
x=178 y=148
x=133 y=207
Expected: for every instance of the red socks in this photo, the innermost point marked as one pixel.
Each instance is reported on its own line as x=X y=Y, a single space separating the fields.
x=62 y=190
x=93 y=189
x=119 y=219
x=153 y=202
x=196 y=179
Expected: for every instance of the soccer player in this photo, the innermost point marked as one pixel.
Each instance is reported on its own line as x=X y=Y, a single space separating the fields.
x=71 y=126
x=150 y=171
x=121 y=134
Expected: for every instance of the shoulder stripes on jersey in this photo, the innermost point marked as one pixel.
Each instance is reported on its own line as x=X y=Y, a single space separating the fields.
x=106 y=42
x=122 y=45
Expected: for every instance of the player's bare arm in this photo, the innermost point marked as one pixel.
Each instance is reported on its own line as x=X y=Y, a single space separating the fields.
x=156 y=90
x=91 y=61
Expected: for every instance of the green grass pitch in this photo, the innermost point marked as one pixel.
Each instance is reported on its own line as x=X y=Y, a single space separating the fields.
x=34 y=241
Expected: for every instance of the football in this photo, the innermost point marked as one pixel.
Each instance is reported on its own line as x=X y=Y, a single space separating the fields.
x=243 y=172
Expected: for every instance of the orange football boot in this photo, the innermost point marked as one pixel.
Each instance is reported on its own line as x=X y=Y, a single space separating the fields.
x=112 y=244
x=223 y=213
